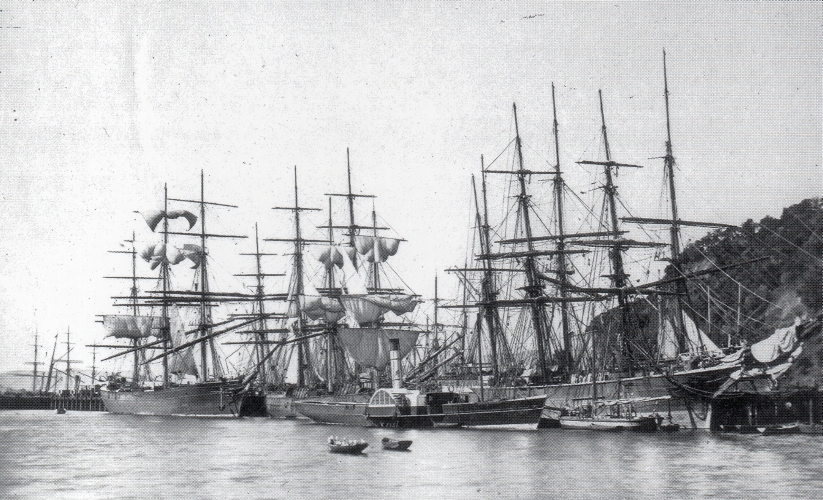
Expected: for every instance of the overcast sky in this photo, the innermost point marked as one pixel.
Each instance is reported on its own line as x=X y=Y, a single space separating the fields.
x=103 y=103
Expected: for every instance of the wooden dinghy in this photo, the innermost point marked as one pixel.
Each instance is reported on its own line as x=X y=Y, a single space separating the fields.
x=337 y=445
x=773 y=430
x=395 y=445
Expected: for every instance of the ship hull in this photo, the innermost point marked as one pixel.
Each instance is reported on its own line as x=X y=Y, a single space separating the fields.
x=502 y=412
x=642 y=424
x=279 y=405
x=206 y=399
x=689 y=405
x=252 y=404
x=335 y=412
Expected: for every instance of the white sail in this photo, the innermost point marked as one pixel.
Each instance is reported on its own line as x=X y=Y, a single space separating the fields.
x=181 y=363
x=361 y=310
x=131 y=327
x=667 y=347
x=148 y=252
x=157 y=253
x=194 y=253
x=352 y=279
x=376 y=248
x=398 y=304
x=153 y=217
x=370 y=346
x=333 y=255
x=173 y=255
x=370 y=308
x=781 y=341
x=325 y=308
x=698 y=341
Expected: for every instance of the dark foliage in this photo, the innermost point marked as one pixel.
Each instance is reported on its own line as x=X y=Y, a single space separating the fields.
x=787 y=284
x=772 y=292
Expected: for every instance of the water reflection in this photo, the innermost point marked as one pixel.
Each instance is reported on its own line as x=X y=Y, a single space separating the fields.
x=96 y=455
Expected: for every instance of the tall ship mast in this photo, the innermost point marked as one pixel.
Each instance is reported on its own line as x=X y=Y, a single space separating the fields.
x=280 y=397
x=534 y=351
x=211 y=392
x=630 y=370
x=35 y=399
x=356 y=310
x=576 y=341
x=262 y=374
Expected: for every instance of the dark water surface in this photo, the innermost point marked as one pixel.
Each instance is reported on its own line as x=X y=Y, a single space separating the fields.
x=91 y=455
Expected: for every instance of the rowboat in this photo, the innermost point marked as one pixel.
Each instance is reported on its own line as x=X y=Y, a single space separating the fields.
x=771 y=430
x=337 y=445
x=607 y=423
x=395 y=445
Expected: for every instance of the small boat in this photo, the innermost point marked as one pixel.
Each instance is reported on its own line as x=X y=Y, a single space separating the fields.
x=395 y=445
x=61 y=411
x=607 y=423
x=741 y=428
x=337 y=445
x=614 y=415
x=667 y=425
x=772 y=430
x=550 y=417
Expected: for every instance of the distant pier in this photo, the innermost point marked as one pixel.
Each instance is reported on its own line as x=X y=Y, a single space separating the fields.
x=83 y=400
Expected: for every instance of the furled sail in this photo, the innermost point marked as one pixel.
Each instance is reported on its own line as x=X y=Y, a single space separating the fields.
x=398 y=304
x=370 y=346
x=131 y=327
x=376 y=248
x=370 y=308
x=325 y=308
x=333 y=255
x=153 y=217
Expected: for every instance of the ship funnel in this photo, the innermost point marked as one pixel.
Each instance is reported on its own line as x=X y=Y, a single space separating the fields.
x=394 y=356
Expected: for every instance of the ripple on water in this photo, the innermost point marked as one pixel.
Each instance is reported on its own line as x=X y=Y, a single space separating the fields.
x=96 y=455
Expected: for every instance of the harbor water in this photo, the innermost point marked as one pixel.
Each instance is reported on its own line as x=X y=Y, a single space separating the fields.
x=96 y=455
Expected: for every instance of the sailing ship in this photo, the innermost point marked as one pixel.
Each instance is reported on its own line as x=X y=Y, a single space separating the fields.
x=45 y=390
x=560 y=358
x=686 y=365
x=36 y=399
x=354 y=314
x=503 y=403
x=309 y=327
x=173 y=392
x=611 y=416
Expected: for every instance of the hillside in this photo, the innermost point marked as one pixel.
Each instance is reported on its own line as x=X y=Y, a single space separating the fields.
x=774 y=291
x=787 y=282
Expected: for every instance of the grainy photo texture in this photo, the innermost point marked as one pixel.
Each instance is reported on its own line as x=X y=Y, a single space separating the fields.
x=434 y=249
